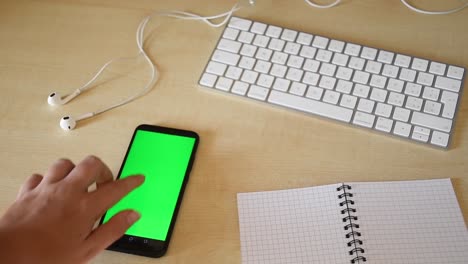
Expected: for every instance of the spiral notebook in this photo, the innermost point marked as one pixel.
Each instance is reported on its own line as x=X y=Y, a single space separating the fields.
x=358 y=222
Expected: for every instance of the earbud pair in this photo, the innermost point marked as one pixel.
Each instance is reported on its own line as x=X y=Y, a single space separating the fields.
x=67 y=122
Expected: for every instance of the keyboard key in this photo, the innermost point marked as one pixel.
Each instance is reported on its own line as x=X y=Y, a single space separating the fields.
x=352 y=49
x=414 y=103
x=327 y=82
x=344 y=86
x=361 y=77
x=361 y=90
x=208 y=79
x=455 y=72
x=308 y=52
x=396 y=99
x=390 y=71
x=373 y=67
x=379 y=95
x=320 y=42
x=279 y=57
x=229 y=45
x=281 y=84
x=356 y=63
x=247 y=63
x=348 y=101
x=248 y=50
x=258 y=28
x=401 y=114
x=262 y=66
x=324 y=55
x=277 y=44
x=344 y=73
x=294 y=74
x=314 y=92
x=240 y=88
x=261 y=41
x=310 y=106
x=432 y=107
x=450 y=104
x=273 y=31
x=230 y=33
x=368 y=53
x=249 y=76
x=402 y=60
x=239 y=23
x=336 y=45
x=331 y=97
x=246 y=37
x=292 y=48
x=365 y=105
x=402 y=129
x=419 y=64
x=425 y=78
x=223 y=84
x=413 y=89
x=440 y=139
x=216 y=68
x=289 y=35
x=311 y=78
x=407 y=75
x=278 y=70
x=431 y=121
x=265 y=80
x=263 y=54
x=340 y=59
x=363 y=119
x=395 y=85
x=311 y=65
x=234 y=73
x=437 y=68
x=420 y=134
x=295 y=61
x=431 y=93
x=304 y=39
x=225 y=57
x=257 y=92
x=385 y=56
x=297 y=88
x=383 y=109
x=448 y=84
x=384 y=124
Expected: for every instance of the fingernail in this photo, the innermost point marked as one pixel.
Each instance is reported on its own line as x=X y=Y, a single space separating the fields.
x=133 y=216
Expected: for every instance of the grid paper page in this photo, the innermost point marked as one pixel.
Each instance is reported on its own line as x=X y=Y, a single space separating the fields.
x=292 y=226
x=411 y=222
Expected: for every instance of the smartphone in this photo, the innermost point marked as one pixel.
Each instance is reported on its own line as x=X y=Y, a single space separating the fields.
x=165 y=156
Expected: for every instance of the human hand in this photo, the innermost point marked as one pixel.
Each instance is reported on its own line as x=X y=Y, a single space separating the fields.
x=52 y=219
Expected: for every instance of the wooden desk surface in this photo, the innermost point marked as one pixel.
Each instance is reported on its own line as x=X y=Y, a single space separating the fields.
x=245 y=146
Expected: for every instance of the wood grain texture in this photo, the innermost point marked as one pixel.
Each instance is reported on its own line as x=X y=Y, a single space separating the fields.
x=245 y=146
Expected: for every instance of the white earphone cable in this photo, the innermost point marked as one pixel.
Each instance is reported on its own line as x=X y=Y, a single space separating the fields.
x=405 y=2
x=433 y=12
x=322 y=6
x=140 y=43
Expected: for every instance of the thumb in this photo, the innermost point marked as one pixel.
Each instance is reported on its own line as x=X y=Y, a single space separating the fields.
x=106 y=234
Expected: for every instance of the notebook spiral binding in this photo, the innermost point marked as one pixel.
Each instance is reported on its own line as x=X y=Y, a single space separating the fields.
x=350 y=219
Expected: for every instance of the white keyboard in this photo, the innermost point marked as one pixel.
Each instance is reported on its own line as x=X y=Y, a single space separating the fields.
x=396 y=94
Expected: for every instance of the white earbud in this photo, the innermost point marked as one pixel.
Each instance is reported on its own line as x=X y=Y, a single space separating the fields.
x=56 y=99
x=69 y=123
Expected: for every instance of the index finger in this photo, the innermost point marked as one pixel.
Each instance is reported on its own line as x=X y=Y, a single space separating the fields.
x=112 y=192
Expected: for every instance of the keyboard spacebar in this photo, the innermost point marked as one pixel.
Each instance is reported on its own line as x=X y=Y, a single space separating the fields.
x=311 y=106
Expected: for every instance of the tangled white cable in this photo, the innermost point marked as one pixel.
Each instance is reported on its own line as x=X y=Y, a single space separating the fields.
x=69 y=123
x=403 y=1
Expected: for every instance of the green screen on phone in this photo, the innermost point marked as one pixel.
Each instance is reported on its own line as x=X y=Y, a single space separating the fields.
x=163 y=159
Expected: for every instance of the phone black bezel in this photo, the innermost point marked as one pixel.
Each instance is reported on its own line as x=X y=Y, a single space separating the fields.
x=145 y=246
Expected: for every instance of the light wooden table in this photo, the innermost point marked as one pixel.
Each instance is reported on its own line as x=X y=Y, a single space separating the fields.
x=245 y=146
